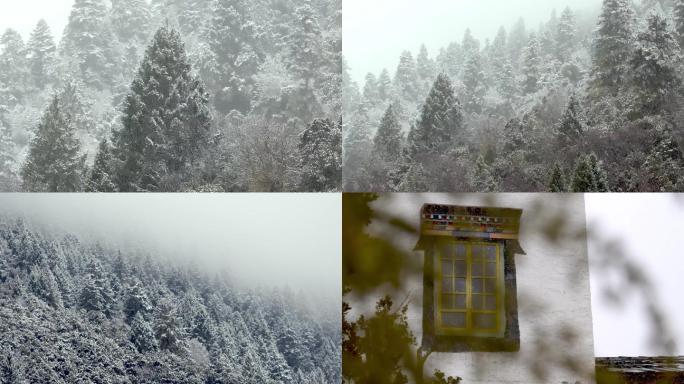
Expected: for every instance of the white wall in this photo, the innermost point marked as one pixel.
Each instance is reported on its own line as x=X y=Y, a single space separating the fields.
x=554 y=305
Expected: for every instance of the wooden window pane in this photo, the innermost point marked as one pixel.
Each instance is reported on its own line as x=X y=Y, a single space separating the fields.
x=477 y=252
x=460 y=268
x=477 y=286
x=477 y=302
x=477 y=269
x=490 y=303
x=460 y=285
x=447 y=285
x=454 y=320
x=490 y=286
x=491 y=269
x=460 y=302
x=490 y=252
x=484 y=320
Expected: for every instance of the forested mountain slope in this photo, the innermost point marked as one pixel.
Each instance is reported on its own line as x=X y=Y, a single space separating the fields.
x=72 y=311
x=584 y=102
x=169 y=95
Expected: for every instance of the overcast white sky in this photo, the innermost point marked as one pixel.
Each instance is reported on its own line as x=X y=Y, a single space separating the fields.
x=376 y=32
x=23 y=15
x=649 y=226
x=262 y=239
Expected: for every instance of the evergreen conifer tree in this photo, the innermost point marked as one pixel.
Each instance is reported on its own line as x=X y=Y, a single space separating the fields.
x=54 y=162
x=307 y=47
x=589 y=175
x=406 y=77
x=96 y=294
x=425 y=69
x=517 y=41
x=530 y=66
x=137 y=302
x=440 y=122
x=388 y=138
x=570 y=127
x=142 y=335
x=566 y=35
x=370 y=89
x=654 y=74
x=612 y=47
x=319 y=149
x=664 y=163
x=557 y=180
x=13 y=74
x=474 y=83
x=130 y=20
x=167 y=327
x=88 y=43
x=8 y=164
x=384 y=85
x=166 y=121
x=100 y=179
x=235 y=56
x=482 y=177
x=41 y=55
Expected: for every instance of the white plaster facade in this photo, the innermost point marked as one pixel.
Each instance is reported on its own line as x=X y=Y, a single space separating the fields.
x=554 y=302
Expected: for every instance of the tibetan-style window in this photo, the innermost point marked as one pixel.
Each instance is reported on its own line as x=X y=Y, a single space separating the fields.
x=469 y=290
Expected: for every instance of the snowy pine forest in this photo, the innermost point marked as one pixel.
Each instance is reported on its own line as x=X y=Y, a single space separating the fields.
x=75 y=311
x=590 y=100
x=175 y=95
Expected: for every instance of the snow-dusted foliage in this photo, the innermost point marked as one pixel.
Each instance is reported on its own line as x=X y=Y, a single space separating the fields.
x=73 y=311
x=586 y=101
x=228 y=61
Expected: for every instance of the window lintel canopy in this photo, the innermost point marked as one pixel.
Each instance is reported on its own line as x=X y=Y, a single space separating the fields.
x=455 y=221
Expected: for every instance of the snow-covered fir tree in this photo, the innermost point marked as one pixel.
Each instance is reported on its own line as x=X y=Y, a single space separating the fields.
x=474 y=83
x=13 y=74
x=557 y=180
x=130 y=20
x=235 y=56
x=54 y=162
x=320 y=153
x=613 y=46
x=388 y=139
x=87 y=45
x=589 y=175
x=654 y=66
x=571 y=126
x=531 y=75
x=306 y=45
x=41 y=55
x=100 y=178
x=370 y=90
x=566 y=35
x=384 y=85
x=166 y=123
x=440 y=123
x=406 y=78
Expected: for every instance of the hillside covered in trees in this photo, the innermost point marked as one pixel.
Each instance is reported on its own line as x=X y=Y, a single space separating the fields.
x=73 y=311
x=169 y=95
x=585 y=102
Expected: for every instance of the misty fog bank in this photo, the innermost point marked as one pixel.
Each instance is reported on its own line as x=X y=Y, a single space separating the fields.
x=260 y=240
